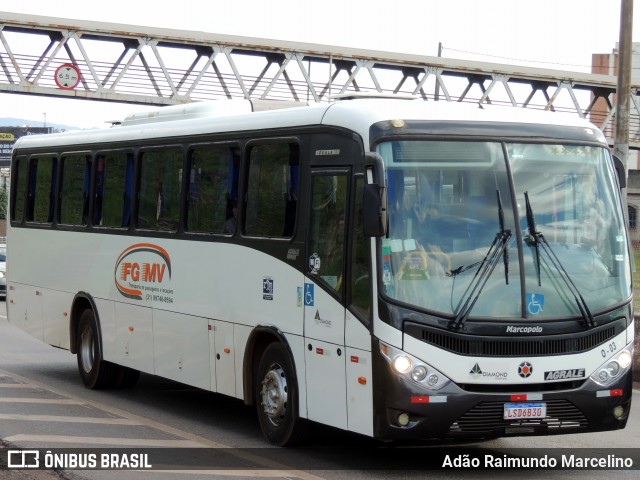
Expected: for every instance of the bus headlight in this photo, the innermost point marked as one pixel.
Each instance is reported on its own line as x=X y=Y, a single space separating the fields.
x=613 y=368
x=419 y=373
x=413 y=369
x=624 y=359
x=402 y=363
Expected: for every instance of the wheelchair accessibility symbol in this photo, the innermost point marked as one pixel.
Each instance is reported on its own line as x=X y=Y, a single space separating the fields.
x=308 y=295
x=535 y=303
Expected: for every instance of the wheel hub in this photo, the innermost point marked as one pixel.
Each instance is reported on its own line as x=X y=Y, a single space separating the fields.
x=86 y=349
x=274 y=394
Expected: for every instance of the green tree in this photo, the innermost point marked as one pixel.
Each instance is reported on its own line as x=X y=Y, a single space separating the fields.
x=3 y=203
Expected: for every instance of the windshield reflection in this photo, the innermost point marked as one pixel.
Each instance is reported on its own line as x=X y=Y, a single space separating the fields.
x=445 y=204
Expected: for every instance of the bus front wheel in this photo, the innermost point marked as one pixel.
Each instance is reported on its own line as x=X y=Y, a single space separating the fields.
x=94 y=371
x=277 y=397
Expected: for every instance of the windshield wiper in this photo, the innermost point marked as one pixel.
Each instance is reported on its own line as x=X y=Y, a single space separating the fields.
x=536 y=239
x=484 y=271
x=503 y=232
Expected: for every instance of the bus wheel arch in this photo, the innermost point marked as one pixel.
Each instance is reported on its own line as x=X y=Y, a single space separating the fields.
x=81 y=302
x=95 y=372
x=258 y=341
x=270 y=382
x=107 y=374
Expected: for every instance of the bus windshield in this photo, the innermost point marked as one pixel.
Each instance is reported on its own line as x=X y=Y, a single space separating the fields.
x=508 y=230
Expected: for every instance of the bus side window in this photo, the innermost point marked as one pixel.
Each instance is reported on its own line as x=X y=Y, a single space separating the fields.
x=19 y=188
x=327 y=240
x=74 y=190
x=114 y=177
x=41 y=190
x=272 y=190
x=291 y=203
x=213 y=188
x=160 y=179
x=360 y=276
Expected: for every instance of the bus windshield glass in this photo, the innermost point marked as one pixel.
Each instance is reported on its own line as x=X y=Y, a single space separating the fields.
x=509 y=230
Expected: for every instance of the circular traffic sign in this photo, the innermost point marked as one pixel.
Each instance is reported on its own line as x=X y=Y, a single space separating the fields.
x=67 y=76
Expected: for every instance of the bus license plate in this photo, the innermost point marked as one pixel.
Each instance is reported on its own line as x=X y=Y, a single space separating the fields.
x=516 y=411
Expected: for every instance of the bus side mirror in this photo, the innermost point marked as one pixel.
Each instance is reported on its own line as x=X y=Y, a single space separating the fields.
x=374 y=201
x=619 y=166
x=374 y=205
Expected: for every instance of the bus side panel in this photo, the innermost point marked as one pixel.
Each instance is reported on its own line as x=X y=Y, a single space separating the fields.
x=297 y=345
x=356 y=334
x=212 y=354
x=240 y=336
x=106 y=312
x=224 y=358
x=181 y=348
x=326 y=388
x=134 y=336
x=359 y=376
x=359 y=391
x=56 y=314
x=25 y=309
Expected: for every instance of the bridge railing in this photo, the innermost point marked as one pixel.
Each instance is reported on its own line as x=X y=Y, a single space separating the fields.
x=145 y=65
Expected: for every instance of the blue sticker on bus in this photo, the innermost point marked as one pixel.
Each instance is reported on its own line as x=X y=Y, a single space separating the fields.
x=535 y=303
x=308 y=294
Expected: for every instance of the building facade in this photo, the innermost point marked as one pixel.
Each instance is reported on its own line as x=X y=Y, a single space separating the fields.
x=607 y=64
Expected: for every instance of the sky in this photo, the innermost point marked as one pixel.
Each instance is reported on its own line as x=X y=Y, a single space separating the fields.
x=558 y=34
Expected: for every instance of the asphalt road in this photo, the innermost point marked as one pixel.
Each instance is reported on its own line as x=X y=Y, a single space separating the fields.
x=44 y=405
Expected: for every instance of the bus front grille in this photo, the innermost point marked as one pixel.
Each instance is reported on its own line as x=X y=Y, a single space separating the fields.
x=486 y=418
x=529 y=346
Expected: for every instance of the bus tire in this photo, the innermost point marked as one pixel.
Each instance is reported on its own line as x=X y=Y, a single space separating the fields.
x=277 y=397
x=94 y=371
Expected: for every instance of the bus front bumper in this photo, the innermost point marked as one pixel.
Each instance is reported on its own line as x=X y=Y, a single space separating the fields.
x=403 y=413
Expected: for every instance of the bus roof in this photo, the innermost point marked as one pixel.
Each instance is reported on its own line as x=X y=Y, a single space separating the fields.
x=357 y=114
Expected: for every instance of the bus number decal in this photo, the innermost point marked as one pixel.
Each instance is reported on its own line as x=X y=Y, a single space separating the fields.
x=609 y=349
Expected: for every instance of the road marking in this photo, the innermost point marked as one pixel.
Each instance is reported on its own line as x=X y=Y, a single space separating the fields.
x=135 y=442
x=16 y=385
x=63 y=419
x=193 y=439
x=60 y=401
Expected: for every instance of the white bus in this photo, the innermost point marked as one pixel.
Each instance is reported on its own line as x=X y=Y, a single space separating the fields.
x=400 y=269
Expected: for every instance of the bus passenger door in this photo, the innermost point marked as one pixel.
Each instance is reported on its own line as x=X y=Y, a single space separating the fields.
x=324 y=311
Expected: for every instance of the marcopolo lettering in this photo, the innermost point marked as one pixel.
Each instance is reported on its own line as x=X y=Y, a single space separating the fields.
x=514 y=329
x=564 y=374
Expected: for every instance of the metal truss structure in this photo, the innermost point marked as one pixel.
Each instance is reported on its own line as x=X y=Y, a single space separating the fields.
x=143 y=65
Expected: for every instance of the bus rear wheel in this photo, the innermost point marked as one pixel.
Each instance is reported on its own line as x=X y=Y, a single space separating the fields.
x=277 y=397
x=94 y=371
